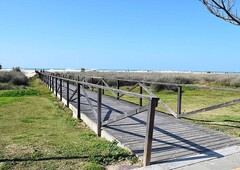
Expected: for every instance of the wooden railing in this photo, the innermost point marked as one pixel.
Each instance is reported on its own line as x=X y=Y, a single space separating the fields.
x=56 y=84
x=179 y=87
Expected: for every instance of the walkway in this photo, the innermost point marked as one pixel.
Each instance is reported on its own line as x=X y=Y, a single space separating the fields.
x=174 y=140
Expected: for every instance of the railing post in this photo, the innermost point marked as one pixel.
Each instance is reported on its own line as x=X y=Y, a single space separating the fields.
x=149 y=131
x=61 y=89
x=56 y=86
x=179 y=102
x=118 y=86
x=99 y=116
x=52 y=84
x=140 y=99
x=102 y=85
x=78 y=101
x=92 y=82
x=67 y=93
x=48 y=81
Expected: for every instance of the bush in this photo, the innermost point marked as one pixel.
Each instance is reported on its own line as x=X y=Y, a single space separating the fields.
x=6 y=86
x=15 y=78
x=160 y=87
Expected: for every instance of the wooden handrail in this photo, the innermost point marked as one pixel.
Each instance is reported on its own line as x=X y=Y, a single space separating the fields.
x=103 y=87
x=169 y=84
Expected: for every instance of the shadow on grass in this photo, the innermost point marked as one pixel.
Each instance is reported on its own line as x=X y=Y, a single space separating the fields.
x=215 y=123
x=98 y=158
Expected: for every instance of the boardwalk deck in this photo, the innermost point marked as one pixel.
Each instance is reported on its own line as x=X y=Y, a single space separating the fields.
x=173 y=139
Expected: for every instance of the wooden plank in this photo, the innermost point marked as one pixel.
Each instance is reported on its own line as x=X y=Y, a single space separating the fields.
x=140 y=99
x=125 y=115
x=61 y=92
x=99 y=117
x=78 y=101
x=56 y=87
x=149 y=132
x=179 y=101
x=211 y=108
x=67 y=93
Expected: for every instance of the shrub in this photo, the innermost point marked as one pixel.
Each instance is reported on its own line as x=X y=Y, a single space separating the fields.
x=160 y=87
x=15 y=78
x=235 y=82
x=6 y=86
x=19 y=79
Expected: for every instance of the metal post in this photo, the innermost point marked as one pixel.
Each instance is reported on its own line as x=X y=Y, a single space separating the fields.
x=149 y=132
x=67 y=93
x=99 y=119
x=61 y=89
x=56 y=86
x=79 y=104
x=179 y=102
x=140 y=99
x=118 y=86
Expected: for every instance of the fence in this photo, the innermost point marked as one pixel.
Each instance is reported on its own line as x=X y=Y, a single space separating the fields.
x=56 y=84
x=142 y=86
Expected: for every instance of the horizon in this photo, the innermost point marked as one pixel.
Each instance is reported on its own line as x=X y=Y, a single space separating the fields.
x=126 y=70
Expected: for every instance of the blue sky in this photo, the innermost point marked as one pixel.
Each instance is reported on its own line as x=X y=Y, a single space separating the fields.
x=116 y=34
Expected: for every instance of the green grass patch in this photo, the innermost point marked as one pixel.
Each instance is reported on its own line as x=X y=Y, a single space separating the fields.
x=19 y=93
x=36 y=126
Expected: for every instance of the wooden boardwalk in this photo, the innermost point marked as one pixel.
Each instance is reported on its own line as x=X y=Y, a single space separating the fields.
x=174 y=139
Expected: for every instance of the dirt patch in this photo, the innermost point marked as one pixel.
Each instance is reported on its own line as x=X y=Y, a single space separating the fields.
x=18 y=151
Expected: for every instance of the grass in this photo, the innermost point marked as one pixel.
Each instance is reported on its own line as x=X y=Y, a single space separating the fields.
x=37 y=132
x=232 y=80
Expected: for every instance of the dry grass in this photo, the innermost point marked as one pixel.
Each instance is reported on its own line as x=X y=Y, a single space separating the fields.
x=179 y=78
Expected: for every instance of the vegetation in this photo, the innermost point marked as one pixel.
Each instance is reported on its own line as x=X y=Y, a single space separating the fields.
x=213 y=79
x=37 y=132
x=16 y=69
x=12 y=80
x=83 y=69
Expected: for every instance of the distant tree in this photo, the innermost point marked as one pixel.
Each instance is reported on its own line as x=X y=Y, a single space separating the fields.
x=83 y=69
x=223 y=9
x=0 y=66
x=16 y=69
